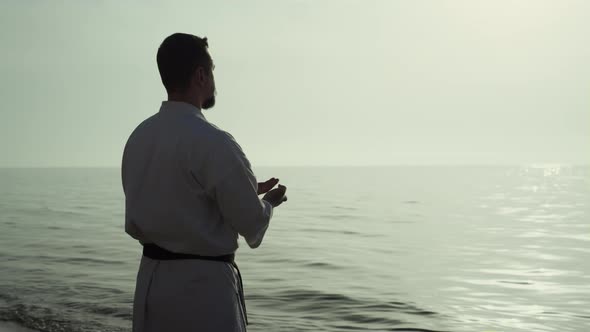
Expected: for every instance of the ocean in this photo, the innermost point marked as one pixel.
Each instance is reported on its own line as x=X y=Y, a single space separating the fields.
x=392 y=248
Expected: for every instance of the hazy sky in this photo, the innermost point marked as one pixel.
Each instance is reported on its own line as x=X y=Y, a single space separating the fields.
x=306 y=82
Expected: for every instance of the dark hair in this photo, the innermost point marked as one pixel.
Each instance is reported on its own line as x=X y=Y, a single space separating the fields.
x=178 y=57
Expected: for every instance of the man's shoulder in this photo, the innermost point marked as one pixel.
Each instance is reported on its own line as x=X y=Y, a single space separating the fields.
x=225 y=145
x=220 y=137
x=210 y=142
x=144 y=126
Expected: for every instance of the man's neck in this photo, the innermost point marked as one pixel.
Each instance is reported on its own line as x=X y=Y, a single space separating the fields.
x=178 y=97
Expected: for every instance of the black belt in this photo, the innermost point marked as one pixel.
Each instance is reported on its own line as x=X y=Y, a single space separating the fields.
x=153 y=251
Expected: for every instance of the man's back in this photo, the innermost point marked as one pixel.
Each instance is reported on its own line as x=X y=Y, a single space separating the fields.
x=172 y=165
x=166 y=202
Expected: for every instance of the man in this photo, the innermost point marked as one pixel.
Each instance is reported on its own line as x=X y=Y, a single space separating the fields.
x=189 y=193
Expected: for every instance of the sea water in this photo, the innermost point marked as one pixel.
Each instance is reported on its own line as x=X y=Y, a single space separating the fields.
x=397 y=248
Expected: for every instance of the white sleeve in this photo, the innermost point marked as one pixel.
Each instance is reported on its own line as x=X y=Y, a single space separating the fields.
x=227 y=178
x=237 y=199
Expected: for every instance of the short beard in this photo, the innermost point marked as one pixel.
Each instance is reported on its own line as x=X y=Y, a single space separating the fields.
x=208 y=103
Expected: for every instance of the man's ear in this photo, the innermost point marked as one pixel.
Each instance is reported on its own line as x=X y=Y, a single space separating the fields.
x=200 y=76
x=194 y=78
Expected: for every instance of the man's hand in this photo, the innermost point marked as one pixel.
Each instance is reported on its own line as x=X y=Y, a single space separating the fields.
x=276 y=196
x=264 y=187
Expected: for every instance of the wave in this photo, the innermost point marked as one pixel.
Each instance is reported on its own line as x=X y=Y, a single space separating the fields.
x=47 y=319
x=348 y=311
x=44 y=211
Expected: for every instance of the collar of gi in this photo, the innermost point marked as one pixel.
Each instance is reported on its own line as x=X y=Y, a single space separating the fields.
x=181 y=107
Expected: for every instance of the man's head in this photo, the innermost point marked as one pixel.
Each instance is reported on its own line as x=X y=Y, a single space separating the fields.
x=186 y=69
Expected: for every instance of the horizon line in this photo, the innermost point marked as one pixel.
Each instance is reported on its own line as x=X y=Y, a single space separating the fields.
x=532 y=164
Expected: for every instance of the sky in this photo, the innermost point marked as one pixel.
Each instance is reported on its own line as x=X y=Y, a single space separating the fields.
x=306 y=83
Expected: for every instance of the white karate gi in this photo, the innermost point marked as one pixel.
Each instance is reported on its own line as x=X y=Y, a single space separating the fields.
x=189 y=188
